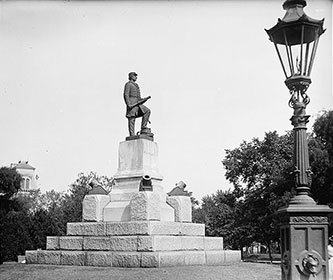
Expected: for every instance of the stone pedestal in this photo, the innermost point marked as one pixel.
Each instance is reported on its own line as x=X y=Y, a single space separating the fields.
x=182 y=206
x=138 y=228
x=304 y=242
x=137 y=158
x=93 y=207
x=145 y=206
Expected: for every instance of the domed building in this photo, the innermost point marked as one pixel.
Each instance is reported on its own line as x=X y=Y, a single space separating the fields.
x=28 y=173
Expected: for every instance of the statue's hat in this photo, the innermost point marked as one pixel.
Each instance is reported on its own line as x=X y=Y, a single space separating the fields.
x=132 y=74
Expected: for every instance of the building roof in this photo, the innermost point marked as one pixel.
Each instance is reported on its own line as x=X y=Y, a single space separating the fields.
x=22 y=165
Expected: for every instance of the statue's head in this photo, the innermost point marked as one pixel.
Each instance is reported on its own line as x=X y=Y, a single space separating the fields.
x=132 y=75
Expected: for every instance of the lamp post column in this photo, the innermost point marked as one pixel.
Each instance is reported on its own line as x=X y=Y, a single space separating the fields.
x=298 y=101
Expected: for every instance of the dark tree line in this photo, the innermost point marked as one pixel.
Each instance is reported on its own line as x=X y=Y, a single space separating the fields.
x=261 y=174
x=26 y=219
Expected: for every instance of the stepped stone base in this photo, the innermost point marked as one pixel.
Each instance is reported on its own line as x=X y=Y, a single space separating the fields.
x=135 y=228
x=133 y=244
x=131 y=259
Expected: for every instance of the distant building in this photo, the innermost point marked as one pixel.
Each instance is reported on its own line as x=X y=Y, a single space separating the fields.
x=29 y=177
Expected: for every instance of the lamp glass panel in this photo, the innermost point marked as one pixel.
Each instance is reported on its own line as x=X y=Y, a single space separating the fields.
x=297 y=59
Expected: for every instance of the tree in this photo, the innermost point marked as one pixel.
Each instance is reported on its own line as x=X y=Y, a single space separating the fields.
x=15 y=235
x=321 y=159
x=10 y=182
x=217 y=212
x=28 y=219
x=260 y=172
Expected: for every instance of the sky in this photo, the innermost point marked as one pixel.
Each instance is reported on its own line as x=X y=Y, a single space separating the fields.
x=213 y=75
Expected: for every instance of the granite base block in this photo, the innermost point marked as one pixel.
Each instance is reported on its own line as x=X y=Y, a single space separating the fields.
x=31 y=257
x=48 y=257
x=127 y=228
x=192 y=242
x=213 y=243
x=97 y=243
x=125 y=259
x=150 y=259
x=86 y=228
x=171 y=259
x=135 y=228
x=195 y=258
x=131 y=259
x=52 y=243
x=140 y=243
x=77 y=258
x=71 y=243
x=99 y=259
x=192 y=229
x=164 y=228
x=232 y=256
x=215 y=257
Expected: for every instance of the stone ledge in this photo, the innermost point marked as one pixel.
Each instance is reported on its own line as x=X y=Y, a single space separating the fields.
x=52 y=243
x=71 y=243
x=140 y=243
x=164 y=228
x=135 y=228
x=77 y=258
x=99 y=259
x=192 y=229
x=194 y=258
x=127 y=228
x=126 y=259
x=171 y=259
x=215 y=257
x=97 y=243
x=86 y=228
x=110 y=243
x=49 y=257
x=31 y=257
x=132 y=259
x=213 y=243
x=150 y=259
x=232 y=256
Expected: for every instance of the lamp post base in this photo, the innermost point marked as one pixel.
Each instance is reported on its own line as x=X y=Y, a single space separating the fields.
x=304 y=241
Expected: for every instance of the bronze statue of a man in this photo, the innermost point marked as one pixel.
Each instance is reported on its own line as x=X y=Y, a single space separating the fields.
x=134 y=105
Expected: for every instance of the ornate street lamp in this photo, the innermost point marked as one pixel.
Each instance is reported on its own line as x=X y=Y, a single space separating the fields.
x=304 y=225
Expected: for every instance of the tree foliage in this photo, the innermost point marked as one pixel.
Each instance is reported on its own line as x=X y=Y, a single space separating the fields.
x=321 y=157
x=30 y=217
x=261 y=173
x=217 y=212
x=10 y=182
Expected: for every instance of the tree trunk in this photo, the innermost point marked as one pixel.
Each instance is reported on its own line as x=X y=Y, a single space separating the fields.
x=270 y=252
x=242 y=253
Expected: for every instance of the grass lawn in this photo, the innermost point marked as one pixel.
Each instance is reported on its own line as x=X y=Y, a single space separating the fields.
x=235 y=271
